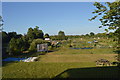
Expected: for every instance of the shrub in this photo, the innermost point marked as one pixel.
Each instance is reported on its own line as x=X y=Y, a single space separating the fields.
x=33 y=45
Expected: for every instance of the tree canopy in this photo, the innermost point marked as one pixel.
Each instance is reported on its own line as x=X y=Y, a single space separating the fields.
x=61 y=35
x=16 y=46
x=46 y=35
x=110 y=16
x=92 y=34
x=34 y=33
x=33 y=45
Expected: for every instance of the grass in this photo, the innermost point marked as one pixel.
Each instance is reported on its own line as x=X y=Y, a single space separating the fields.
x=39 y=69
x=90 y=72
x=52 y=65
x=64 y=63
x=75 y=57
x=66 y=50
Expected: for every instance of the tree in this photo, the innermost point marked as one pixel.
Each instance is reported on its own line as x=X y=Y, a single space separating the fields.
x=16 y=46
x=92 y=34
x=5 y=38
x=12 y=34
x=46 y=35
x=111 y=35
x=12 y=46
x=110 y=16
x=61 y=35
x=34 y=34
x=38 y=33
x=30 y=34
x=26 y=43
x=33 y=45
x=87 y=35
x=18 y=36
x=1 y=22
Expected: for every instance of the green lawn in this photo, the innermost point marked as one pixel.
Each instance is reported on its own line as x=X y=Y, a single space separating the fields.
x=66 y=50
x=64 y=63
x=58 y=70
x=39 y=69
x=75 y=57
x=52 y=65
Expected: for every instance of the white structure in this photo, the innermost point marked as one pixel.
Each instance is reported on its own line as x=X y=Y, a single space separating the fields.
x=42 y=47
x=47 y=39
x=30 y=59
x=98 y=37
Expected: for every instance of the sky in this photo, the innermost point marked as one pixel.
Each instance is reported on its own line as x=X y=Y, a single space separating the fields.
x=58 y=0
x=51 y=17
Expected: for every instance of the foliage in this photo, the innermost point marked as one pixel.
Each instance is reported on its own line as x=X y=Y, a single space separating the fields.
x=110 y=16
x=61 y=35
x=26 y=43
x=38 y=33
x=54 y=37
x=92 y=34
x=16 y=46
x=46 y=35
x=30 y=34
x=34 y=34
x=5 y=37
x=13 y=35
x=33 y=45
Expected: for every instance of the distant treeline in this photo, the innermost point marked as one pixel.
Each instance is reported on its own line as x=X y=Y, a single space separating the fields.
x=13 y=43
x=90 y=35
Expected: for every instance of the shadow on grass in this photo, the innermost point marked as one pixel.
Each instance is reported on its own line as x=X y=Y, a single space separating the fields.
x=112 y=72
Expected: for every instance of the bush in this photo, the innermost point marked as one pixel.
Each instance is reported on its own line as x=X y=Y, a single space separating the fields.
x=16 y=46
x=33 y=45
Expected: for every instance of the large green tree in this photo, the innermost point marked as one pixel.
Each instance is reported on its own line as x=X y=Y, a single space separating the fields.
x=61 y=35
x=5 y=37
x=34 y=34
x=92 y=34
x=38 y=33
x=110 y=13
x=30 y=34
x=16 y=46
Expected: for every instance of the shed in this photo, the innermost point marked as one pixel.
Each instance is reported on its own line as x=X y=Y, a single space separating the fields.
x=42 y=47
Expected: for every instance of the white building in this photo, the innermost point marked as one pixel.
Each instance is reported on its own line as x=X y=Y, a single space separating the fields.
x=47 y=39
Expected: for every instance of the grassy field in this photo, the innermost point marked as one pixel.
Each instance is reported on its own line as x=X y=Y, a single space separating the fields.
x=39 y=69
x=58 y=70
x=64 y=63
x=76 y=57
x=53 y=64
